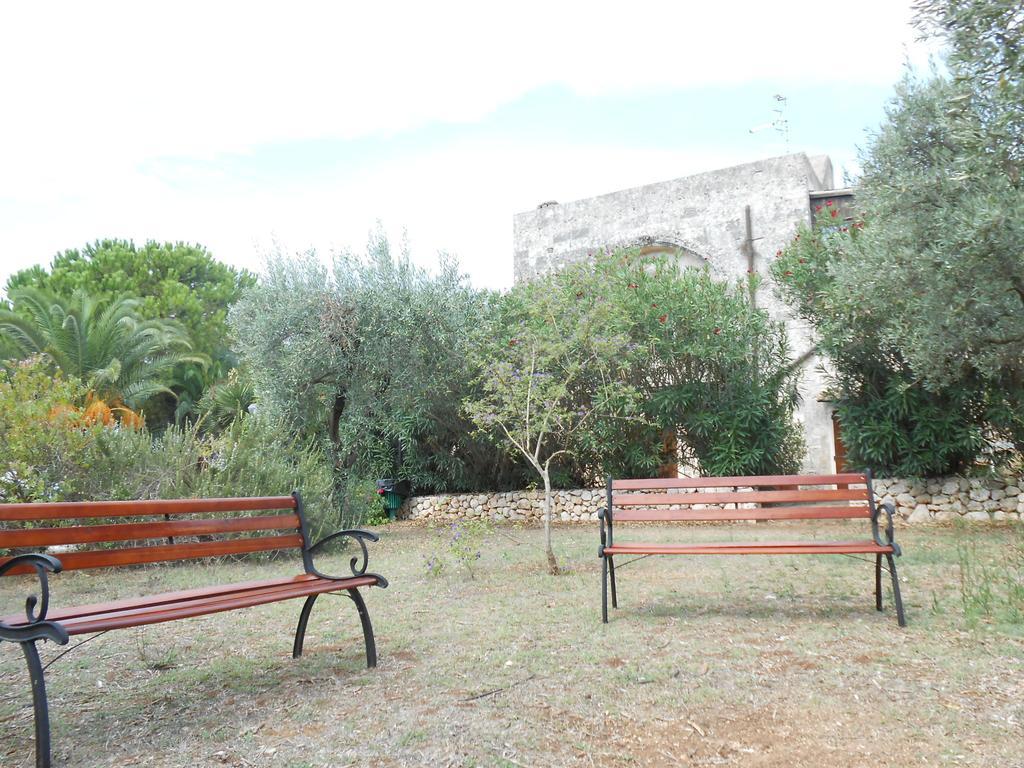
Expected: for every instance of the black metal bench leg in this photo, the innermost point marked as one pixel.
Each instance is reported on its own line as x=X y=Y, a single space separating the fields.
x=896 y=591
x=611 y=574
x=300 y=630
x=42 y=712
x=364 y=617
x=604 y=589
x=878 y=582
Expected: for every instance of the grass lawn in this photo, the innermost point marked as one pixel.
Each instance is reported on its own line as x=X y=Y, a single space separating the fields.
x=763 y=661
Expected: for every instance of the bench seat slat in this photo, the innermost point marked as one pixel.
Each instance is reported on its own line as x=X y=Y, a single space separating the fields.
x=741 y=482
x=752 y=548
x=138 y=555
x=178 y=596
x=70 y=510
x=739 y=497
x=88 y=534
x=189 y=603
x=640 y=514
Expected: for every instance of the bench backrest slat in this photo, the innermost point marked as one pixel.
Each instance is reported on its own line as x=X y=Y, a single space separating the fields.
x=91 y=534
x=765 y=497
x=70 y=510
x=157 y=531
x=739 y=497
x=736 y=482
x=763 y=513
x=100 y=558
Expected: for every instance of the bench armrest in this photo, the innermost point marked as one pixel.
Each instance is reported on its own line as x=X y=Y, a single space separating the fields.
x=36 y=626
x=357 y=564
x=606 y=530
x=889 y=541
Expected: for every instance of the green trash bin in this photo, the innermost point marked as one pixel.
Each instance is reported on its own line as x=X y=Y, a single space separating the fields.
x=394 y=492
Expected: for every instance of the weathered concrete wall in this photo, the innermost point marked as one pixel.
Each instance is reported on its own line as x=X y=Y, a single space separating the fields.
x=703 y=214
x=916 y=501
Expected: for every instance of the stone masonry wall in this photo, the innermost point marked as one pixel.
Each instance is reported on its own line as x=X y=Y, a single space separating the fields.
x=916 y=501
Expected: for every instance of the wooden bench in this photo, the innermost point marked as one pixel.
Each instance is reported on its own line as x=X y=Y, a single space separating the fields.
x=716 y=499
x=182 y=530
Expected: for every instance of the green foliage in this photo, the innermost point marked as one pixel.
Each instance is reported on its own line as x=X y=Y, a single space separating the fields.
x=891 y=421
x=168 y=281
x=943 y=256
x=670 y=350
x=371 y=354
x=434 y=565
x=253 y=457
x=105 y=344
x=226 y=401
x=985 y=59
x=551 y=364
x=360 y=501
x=41 y=442
x=550 y=367
x=591 y=365
x=992 y=587
x=171 y=280
x=48 y=454
x=921 y=312
x=464 y=544
x=711 y=367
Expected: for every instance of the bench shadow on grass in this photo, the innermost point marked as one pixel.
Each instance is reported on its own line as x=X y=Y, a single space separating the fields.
x=788 y=610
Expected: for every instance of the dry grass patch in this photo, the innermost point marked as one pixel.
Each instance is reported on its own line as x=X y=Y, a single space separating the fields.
x=764 y=661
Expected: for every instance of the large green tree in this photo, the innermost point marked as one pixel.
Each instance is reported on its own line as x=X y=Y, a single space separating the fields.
x=922 y=310
x=172 y=281
x=371 y=354
x=103 y=343
x=891 y=422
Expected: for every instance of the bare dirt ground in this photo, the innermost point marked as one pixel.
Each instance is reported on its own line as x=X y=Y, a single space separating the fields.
x=731 y=661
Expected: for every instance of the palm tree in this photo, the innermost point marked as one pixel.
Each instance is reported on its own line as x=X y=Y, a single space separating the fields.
x=122 y=358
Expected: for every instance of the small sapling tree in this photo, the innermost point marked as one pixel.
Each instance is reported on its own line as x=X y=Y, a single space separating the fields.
x=549 y=368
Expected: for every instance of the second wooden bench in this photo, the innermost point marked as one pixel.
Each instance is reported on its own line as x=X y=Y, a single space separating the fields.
x=718 y=499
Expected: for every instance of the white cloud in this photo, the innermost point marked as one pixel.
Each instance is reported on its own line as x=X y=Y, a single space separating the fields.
x=95 y=91
x=141 y=79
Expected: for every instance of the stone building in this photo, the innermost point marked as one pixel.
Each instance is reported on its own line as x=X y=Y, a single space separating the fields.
x=729 y=220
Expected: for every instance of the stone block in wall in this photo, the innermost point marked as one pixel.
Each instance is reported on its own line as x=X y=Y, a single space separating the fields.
x=945 y=514
x=921 y=514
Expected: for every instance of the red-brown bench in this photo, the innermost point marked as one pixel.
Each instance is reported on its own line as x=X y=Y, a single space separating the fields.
x=182 y=530
x=717 y=499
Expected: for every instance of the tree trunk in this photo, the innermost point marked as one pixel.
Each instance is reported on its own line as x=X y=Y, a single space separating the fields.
x=552 y=563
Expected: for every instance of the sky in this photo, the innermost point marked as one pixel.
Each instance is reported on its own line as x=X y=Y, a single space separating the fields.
x=254 y=126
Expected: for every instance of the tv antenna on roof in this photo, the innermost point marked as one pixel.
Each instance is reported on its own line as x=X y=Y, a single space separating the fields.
x=779 y=123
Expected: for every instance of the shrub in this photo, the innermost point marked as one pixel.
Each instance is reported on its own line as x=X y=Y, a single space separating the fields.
x=704 y=363
x=892 y=420
x=253 y=457
x=372 y=355
x=50 y=452
x=42 y=440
